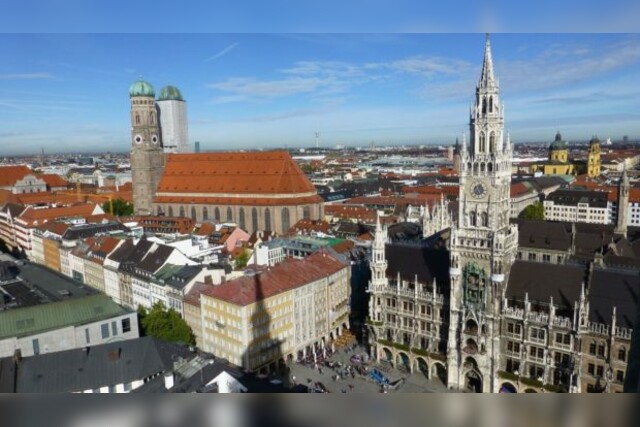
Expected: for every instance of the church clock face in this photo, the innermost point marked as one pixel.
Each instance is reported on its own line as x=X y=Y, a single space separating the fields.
x=478 y=190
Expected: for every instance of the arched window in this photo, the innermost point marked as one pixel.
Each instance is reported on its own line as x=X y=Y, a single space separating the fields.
x=182 y=211
x=485 y=219
x=229 y=215
x=205 y=214
x=241 y=219
x=285 y=220
x=137 y=119
x=482 y=167
x=170 y=211
x=489 y=167
x=484 y=105
x=492 y=142
x=622 y=354
x=482 y=142
x=254 y=219
x=158 y=210
x=306 y=212
x=193 y=213
x=267 y=220
x=491 y=104
x=469 y=166
x=472 y=219
x=216 y=214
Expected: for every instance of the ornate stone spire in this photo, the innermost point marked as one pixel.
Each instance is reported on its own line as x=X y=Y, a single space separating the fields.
x=486 y=78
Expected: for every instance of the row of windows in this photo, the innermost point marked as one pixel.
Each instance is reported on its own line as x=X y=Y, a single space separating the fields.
x=285 y=216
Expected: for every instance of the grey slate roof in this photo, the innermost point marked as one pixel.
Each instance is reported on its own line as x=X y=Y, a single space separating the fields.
x=544 y=235
x=595 y=199
x=542 y=280
x=614 y=287
x=418 y=260
x=88 y=230
x=103 y=365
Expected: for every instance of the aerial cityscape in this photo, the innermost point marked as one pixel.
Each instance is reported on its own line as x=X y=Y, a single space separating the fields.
x=321 y=214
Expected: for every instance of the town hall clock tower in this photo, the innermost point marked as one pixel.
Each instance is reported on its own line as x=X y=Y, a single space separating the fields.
x=483 y=243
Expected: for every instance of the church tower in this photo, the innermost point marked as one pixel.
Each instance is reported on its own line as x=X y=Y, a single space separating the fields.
x=623 y=205
x=483 y=244
x=593 y=158
x=147 y=159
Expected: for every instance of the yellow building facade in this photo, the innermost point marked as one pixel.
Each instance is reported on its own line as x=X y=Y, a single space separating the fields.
x=559 y=162
x=291 y=310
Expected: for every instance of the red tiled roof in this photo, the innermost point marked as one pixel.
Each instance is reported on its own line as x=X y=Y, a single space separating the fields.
x=518 y=189
x=350 y=212
x=272 y=172
x=44 y=197
x=311 y=225
x=53 y=180
x=193 y=296
x=344 y=246
x=55 y=227
x=447 y=190
x=287 y=275
x=10 y=174
x=244 y=201
x=206 y=228
x=33 y=216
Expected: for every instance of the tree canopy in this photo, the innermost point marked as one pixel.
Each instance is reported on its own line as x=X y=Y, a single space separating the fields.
x=120 y=207
x=242 y=259
x=534 y=211
x=165 y=324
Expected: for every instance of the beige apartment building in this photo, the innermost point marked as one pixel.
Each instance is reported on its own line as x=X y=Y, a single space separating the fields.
x=268 y=318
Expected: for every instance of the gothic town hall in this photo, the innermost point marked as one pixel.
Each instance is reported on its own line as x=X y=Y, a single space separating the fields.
x=487 y=304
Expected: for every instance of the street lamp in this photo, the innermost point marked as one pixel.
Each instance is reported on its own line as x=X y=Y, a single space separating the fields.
x=517 y=374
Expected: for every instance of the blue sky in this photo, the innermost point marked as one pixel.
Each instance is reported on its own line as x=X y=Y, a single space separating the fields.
x=68 y=92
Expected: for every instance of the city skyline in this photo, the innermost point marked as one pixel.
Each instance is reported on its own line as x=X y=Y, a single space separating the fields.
x=268 y=91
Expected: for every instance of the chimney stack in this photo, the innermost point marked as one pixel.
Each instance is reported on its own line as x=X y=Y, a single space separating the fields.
x=168 y=380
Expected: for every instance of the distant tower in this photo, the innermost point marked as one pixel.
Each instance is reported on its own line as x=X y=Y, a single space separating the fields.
x=456 y=157
x=147 y=159
x=317 y=140
x=593 y=160
x=172 y=110
x=558 y=150
x=197 y=146
x=623 y=205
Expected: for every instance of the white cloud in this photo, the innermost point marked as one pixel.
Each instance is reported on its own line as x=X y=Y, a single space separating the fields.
x=26 y=76
x=223 y=52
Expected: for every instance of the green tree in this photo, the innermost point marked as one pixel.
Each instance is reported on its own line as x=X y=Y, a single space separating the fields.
x=165 y=324
x=242 y=259
x=534 y=211
x=120 y=207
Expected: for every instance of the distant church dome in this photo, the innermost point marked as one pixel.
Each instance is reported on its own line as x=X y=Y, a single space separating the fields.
x=141 y=88
x=558 y=143
x=170 y=93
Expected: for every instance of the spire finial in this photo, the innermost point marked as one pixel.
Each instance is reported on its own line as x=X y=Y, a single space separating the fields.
x=486 y=79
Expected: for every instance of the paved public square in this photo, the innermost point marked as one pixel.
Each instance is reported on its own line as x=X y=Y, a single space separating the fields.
x=413 y=382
